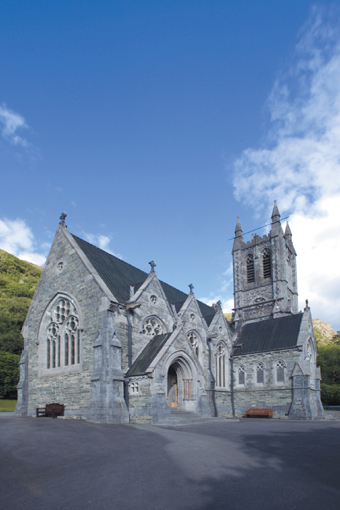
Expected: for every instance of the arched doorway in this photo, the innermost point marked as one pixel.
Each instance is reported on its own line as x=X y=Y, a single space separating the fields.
x=181 y=384
x=172 y=387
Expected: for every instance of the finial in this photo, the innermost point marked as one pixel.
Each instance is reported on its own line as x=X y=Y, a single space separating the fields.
x=62 y=218
x=238 y=229
x=191 y=288
x=307 y=307
x=275 y=213
x=153 y=265
x=288 y=232
x=238 y=240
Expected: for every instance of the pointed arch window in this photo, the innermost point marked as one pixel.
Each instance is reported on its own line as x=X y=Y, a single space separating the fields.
x=241 y=375
x=220 y=366
x=60 y=337
x=250 y=269
x=63 y=334
x=267 y=268
x=280 y=371
x=193 y=339
x=260 y=373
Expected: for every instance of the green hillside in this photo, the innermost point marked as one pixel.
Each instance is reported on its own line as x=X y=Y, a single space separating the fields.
x=18 y=281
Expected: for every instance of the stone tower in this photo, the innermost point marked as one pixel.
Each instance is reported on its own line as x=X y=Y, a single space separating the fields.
x=265 y=280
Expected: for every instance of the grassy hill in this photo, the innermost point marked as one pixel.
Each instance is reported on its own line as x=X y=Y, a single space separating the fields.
x=18 y=281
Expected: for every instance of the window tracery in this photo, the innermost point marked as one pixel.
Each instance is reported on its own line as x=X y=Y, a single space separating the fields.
x=241 y=375
x=260 y=373
x=193 y=339
x=220 y=366
x=152 y=327
x=280 y=371
x=63 y=335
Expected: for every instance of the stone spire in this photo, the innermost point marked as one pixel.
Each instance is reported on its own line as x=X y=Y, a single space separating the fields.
x=288 y=232
x=238 y=240
x=276 y=224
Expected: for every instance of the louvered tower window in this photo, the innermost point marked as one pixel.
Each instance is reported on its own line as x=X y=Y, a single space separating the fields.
x=267 y=271
x=250 y=269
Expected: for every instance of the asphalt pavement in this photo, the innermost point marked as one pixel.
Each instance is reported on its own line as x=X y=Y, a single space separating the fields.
x=254 y=464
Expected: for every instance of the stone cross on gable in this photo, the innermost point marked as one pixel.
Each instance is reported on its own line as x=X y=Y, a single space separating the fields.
x=153 y=265
x=62 y=218
x=191 y=288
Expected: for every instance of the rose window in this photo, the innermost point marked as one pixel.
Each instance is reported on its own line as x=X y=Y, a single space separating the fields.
x=152 y=327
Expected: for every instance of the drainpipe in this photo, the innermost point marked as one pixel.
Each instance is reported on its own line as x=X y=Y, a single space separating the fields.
x=129 y=355
x=212 y=378
x=130 y=307
x=232 y=384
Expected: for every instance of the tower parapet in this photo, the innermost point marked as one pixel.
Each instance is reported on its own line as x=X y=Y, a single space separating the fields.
x=265 y=281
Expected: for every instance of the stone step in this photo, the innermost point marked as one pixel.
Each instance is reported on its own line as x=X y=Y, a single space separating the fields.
x=179 y=417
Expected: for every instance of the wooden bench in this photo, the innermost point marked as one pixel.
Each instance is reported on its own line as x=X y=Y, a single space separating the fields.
x=259 y=413
x=51 y=410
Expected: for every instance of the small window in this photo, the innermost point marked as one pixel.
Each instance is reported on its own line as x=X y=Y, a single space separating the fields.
x=241 y=375
x=193 y=339
x=267 y=270
x=260 y=373
x=250 y=269
x=280 y=371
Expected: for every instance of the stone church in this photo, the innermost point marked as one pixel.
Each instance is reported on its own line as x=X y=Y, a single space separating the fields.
x=114 y=344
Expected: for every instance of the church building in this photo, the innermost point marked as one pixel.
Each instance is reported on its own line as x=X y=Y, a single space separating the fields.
x=115 y=344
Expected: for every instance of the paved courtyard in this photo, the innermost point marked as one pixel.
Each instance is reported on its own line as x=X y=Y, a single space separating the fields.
x=254 y=464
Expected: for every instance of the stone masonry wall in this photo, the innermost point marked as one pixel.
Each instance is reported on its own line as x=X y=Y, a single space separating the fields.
x=72 y=389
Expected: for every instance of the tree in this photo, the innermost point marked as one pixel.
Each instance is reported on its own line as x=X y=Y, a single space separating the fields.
x=9 y=375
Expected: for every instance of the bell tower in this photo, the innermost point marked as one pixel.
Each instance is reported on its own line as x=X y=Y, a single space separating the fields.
x=265 y=280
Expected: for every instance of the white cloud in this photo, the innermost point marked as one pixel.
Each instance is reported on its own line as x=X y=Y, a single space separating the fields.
x=11 y=123
x=299 y=162
x=17 y=238
x=101 y=241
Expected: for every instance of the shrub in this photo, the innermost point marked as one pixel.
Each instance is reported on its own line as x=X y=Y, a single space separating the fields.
x=330 y=394
x=9 y=375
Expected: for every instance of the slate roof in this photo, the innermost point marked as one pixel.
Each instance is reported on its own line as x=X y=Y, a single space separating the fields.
x=269 y=335
x=148 y=354
x=119 y=276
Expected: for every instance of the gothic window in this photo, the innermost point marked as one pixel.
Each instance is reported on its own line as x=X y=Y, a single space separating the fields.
x=62 y=335
x=152 y=326
x=260 y=373
x=193 y=339
x=280 y=371
x=241 y=375
x=309 y=351
x=220 y=366
x=267 y=270
x=250 y=269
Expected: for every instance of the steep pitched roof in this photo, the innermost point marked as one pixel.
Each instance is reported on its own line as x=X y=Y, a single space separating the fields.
x=268 y=335
x=119 y=276
x=148 y=354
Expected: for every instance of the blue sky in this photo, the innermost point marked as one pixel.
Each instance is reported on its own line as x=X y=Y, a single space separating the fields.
x=153 y=125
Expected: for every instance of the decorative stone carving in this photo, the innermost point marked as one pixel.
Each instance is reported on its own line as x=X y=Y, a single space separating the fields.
x=193 y=339
x=153 y=299
x=152 y=326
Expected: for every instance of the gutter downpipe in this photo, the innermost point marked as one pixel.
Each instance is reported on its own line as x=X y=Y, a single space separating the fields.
x=129 y=356
x=212 y=379
x=232 y=384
